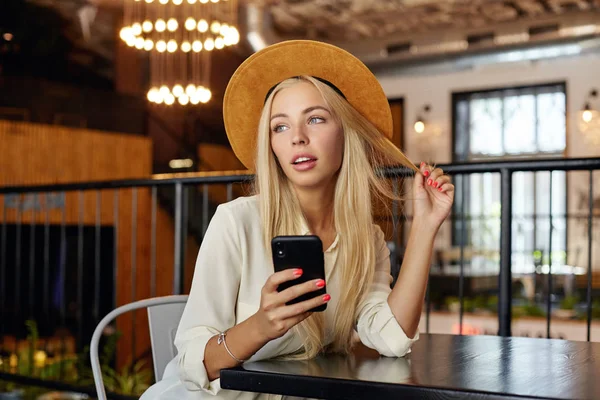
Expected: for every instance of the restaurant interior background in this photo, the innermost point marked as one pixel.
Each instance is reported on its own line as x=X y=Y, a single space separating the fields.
x=113 y=157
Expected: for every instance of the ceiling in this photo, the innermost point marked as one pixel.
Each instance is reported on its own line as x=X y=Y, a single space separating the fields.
x=380 y=32
x=363 y=27
x=351 y=20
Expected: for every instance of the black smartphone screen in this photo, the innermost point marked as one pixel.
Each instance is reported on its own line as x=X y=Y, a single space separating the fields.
x=305 y=252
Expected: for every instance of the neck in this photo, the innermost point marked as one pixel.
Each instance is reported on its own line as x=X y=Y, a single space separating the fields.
x=317 y=207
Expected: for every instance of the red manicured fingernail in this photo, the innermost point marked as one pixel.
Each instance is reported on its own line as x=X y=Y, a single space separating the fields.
x=429 y=182
x=298 y=272
x=440 y=189
x=320 y=283
x=326 y=298
x=426 y=173
x=435 y=184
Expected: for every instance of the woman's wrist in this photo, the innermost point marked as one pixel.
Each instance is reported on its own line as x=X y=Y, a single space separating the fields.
x=424 y=228
x=256 y=332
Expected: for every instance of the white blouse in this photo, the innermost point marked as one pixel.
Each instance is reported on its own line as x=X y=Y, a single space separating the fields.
x=231 y=269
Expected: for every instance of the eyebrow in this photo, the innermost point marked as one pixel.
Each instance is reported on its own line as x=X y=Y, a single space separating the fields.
x=306 y=111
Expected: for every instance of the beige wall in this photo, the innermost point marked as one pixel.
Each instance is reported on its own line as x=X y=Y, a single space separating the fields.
x=580 y=74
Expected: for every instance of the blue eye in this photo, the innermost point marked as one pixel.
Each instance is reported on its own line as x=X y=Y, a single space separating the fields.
x=315 y=120
x=278 y=128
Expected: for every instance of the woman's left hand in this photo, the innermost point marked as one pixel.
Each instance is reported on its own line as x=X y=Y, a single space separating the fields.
x=433 y=195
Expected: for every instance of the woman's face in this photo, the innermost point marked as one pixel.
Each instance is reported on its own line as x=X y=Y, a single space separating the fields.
x=305 y=137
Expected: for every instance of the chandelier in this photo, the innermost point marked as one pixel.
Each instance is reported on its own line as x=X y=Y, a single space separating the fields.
x=179 y=36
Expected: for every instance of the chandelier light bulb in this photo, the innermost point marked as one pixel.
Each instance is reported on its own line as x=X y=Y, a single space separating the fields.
x=169 y=99
x=184 y=99
x=209 y=44
x=190 y=90
x=202 y=25
x=203 y=1
x=197 y=46
x=172 y=25
x=186 y=47
x=177 y=2
x=148 y=1
x=148 y=45
x=172 y=46
x=191 y=1
x=161 y=46
x=160 y=25
x=177 y=90
x=131 y=41
x=124 y=34
x=190 y=24
x=195 y=99
x=224 y=30
x=163 y=1
x=139 y=43
x=232 y=37
x=136 y=28
x=153 y=95
x=147 y=26
x=219 y=43
x=215 y=27
x=206 y=95
x=235 y=35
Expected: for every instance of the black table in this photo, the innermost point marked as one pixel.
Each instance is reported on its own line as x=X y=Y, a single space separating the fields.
x=439 y=367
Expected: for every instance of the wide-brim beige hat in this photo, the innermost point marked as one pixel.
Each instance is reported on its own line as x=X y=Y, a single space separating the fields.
x=249 y=85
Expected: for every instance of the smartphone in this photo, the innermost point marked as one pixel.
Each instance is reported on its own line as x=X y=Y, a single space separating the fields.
x=305 y=252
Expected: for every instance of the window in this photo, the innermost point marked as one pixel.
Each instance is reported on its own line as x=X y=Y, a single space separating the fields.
x=507 y=124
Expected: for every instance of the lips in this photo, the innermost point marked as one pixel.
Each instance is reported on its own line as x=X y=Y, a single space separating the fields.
x=303 y=158
x=304 y=162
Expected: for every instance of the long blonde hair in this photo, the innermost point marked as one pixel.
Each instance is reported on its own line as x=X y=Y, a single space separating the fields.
x=365 y=149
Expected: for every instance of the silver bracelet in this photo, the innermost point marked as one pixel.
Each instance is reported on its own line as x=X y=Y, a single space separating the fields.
x=221 y=340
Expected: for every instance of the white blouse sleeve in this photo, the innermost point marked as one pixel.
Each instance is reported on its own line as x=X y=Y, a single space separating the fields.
x=377 y=327
x=211 y=305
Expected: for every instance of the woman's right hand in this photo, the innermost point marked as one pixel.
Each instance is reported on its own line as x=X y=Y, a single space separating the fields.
x=274 y=317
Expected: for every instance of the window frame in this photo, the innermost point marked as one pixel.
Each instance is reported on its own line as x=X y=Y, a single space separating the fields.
x=457 y=157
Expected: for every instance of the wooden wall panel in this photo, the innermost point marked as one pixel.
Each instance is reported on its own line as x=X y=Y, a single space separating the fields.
x=34 y=154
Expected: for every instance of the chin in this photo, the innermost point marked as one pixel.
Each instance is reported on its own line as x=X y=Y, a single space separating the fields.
x=309 y=180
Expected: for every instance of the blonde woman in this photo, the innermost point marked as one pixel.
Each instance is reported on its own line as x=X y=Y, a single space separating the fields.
x=314 y=124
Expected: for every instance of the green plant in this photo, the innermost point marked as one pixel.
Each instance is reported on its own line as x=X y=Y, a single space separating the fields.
x=480 y=303
x=569 y=302
x=132 y=379
x=528 y=309
x=62 y=367
x=492 y=303
x=7 y=386
x=448 y=301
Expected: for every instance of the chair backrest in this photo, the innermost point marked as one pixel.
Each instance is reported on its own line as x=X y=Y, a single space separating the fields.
x=164 y=314
x=163 y=320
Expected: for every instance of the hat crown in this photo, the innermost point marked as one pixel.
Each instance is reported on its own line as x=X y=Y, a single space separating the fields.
x=262 y=71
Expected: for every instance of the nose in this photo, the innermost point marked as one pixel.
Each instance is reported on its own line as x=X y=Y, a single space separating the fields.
x=299 y=136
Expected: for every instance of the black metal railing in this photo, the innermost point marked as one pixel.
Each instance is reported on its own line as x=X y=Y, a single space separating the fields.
x=42 y=226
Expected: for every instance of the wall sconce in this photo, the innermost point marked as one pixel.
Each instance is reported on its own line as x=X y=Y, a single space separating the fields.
x=181 y=163
x=421 y=121
x=589 y=124
x=587 y=114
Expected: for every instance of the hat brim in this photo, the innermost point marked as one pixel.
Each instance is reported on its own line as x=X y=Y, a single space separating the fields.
x=249 y=85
